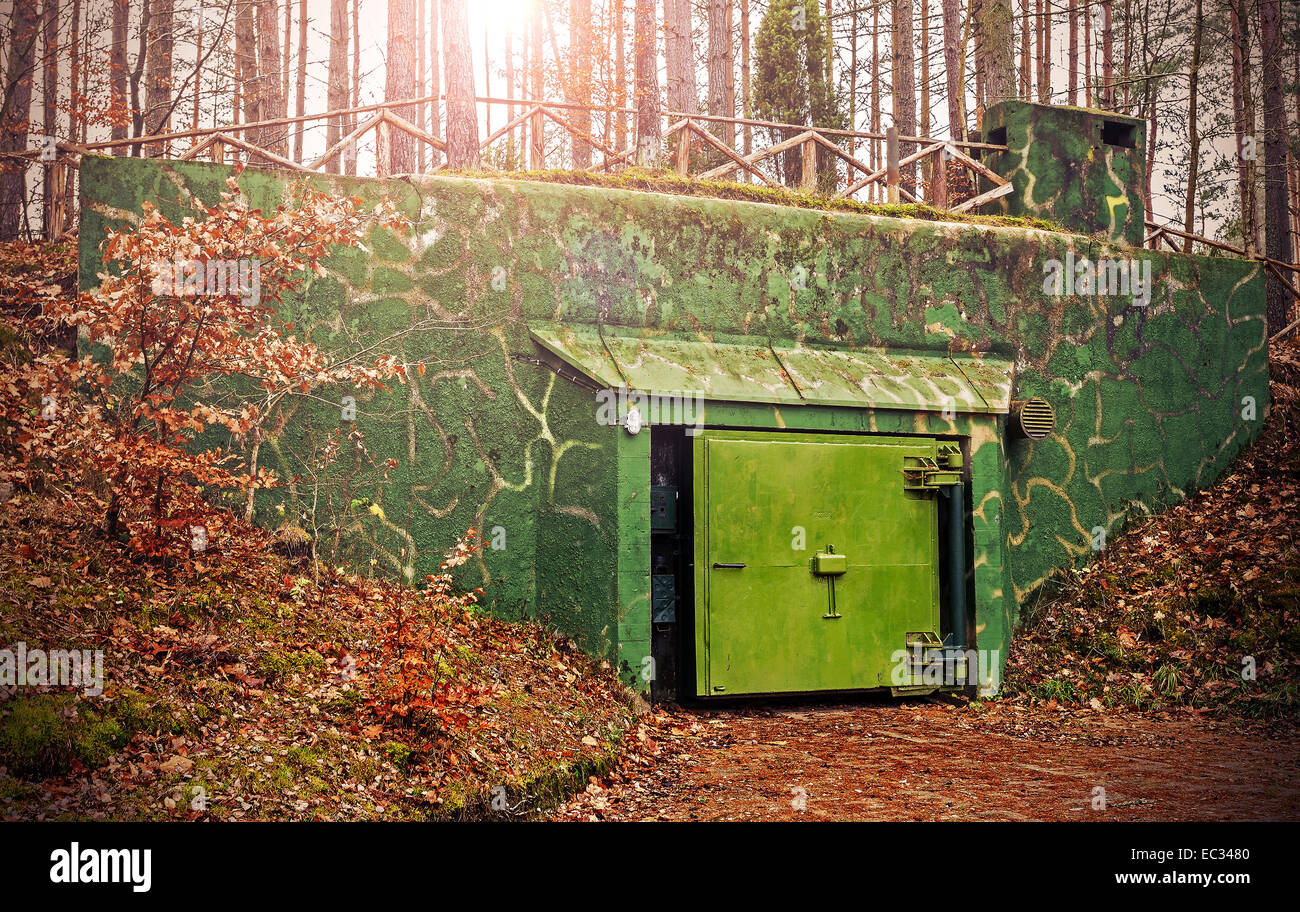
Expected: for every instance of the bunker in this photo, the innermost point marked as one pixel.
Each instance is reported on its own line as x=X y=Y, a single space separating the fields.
x=738 y=448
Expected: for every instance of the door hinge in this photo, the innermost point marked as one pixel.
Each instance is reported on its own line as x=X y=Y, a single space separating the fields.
x=926 y=473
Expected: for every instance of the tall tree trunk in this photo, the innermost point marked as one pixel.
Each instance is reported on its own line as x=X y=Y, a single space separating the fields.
x=994 y=61
x=679 y=57
x=198 y=65
x=648 y=128
x=1193 y=132
x=925 y=68
x=117 y=75
x=1277 y=216
x=721 y=85
x=1026 y=45
x=246 y=66
x=875 y=94
x=350 y=155
x=337 y=96
x=1085 y=15
x=435 y=80
x=52 y=196
x=537 y=128
x=1044 y=13
x=286 y=52
x=300 y=101
x=1128 y=57
x=951 y=66
x=15 y=118
x=580 y=76
x=421 y=74
x=1107 y=56
x=138 y=74
x=462 y=114
x=274 y=139
x=927 y=163
x=746 y=77
x=620 y=75
x=904 y=83
x=399 y=81
x=1243 y=108
x=1072 y=85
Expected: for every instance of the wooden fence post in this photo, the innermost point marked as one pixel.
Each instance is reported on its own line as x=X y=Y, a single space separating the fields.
x=891 y=163
x=382 y=146
x=684 y=150
x=537 y=143
x=808 y=182
x=939 y=180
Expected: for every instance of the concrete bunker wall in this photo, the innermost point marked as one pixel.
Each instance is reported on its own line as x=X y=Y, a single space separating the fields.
x=1153 y=400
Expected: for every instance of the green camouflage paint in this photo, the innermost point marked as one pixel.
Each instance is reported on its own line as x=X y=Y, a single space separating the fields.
x=1152 y=401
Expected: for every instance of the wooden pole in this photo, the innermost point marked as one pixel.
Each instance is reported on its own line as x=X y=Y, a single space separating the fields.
x=891 y=163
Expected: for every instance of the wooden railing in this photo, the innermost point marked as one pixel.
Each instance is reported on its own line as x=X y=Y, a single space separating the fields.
x=686 y=136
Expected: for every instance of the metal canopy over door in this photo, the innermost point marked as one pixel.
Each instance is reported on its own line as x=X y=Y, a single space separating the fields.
x=771 y=618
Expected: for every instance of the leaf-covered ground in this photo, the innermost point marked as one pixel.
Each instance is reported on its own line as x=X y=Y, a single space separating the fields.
x=1124 y=697
x=1199 y=606
x=236 y=687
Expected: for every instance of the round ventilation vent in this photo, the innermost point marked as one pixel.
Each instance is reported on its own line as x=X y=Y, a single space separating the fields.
x=1033 y=418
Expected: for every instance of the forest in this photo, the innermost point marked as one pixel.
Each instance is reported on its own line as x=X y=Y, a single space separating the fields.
x=1216 y=81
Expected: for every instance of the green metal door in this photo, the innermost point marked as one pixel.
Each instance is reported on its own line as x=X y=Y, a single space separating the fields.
x=771 y=615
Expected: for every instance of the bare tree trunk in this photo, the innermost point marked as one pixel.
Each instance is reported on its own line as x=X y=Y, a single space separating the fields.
x=648 y=129
x=580 y=77
x=1128 y=57
x=1085 y=15
x=274 y=139
x=300 y=101
x=246 y=66
x=904 y=84
x=536 y=129
x=1193 y=133
x=1243 y=106
x=286 y=52
x=462 y=116
x=1107 y=56
x=1026 y=43
x=421 y=73
x=399 y=81
x=924 y=126
x=350 y=154
x=435 y=73
x=198 y=66
x=721 y=85
x=50 y=107
x=620 y=76
x=951 y=66
x=117 y=78
x=679 y=55
x=74 y=104
x=336 y=92
x=853 y=81
x=994 y=62
x=1044 y=13
x=15 y=118
x=875 y=93
x=1277 y=216
x=927 y=164
x=746 y=77
x=1073 y=56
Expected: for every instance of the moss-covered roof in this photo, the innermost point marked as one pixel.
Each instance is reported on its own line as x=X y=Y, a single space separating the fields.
x=659 y=181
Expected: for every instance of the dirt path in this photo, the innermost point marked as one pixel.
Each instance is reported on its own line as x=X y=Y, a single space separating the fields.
x=921 y=760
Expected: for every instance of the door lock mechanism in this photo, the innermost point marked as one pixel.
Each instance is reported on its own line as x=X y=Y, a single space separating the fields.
x=828 y=564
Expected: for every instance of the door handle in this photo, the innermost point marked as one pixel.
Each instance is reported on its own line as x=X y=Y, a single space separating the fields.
x=728 y=566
